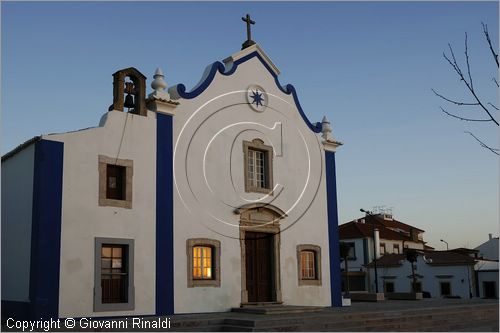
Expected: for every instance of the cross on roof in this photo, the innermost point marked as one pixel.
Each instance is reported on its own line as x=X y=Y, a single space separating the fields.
x=249 y=40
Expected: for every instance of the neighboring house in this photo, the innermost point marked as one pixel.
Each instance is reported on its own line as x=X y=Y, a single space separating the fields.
x=190 y=202
x=487 y=268
x=391 y=236
x=489 y=249
x=487 y=278
x=438 y=273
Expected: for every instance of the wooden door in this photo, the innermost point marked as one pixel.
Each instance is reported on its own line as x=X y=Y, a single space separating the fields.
x=259 y=266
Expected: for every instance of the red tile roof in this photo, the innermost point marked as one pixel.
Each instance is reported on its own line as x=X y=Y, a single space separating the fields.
x=362 y=230
x=448 y=258
x=388 y=229
x=396 y=224
x=434 y=258
x=389 y=260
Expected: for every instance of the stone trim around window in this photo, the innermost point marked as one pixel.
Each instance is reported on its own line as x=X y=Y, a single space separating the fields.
x=129 y=171
x=98 y=305
x=215 y=245
x=317 y=262
x=258 y=144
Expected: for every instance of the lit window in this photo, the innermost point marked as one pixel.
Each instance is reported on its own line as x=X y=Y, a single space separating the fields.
x=202 y=263
x=203 y=255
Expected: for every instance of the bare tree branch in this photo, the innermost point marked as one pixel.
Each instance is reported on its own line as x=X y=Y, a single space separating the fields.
x=493 y=150
x=467 y=62
x=493 y=106
x=457 y=69
x=487 y=35
x=469 y=84
x=454 y=62
x=462 y=118
x=453 y=101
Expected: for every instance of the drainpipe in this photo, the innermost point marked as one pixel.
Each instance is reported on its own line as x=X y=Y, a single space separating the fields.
x=377 y=243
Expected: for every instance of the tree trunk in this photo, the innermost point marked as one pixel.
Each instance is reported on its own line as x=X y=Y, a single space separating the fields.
x=346 y=276
x=414 y=282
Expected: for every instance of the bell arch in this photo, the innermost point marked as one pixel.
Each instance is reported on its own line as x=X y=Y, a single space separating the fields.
x=137 y=90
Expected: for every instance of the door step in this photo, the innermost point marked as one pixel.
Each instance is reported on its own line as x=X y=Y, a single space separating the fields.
x=276 y=308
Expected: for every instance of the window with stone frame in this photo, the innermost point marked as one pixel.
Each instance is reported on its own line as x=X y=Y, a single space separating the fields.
x=114 y=274
x=396 y=248
x=309 y=264
x=203 y=262
x=203 y=256
x=258 y=165
x=115 y=182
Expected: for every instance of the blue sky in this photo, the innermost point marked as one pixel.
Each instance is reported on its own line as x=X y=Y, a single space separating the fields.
x=369 y=67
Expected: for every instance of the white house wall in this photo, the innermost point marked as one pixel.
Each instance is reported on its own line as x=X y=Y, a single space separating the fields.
x=489 y=249
x=487 y=277
x=460 y=278
x=358 y=264
x=83 y=219
x=209 y=131
x=17 y=196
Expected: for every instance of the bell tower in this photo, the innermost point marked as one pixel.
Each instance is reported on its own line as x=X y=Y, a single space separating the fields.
x=129 y=91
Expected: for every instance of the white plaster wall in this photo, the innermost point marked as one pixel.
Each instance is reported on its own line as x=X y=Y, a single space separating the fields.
x=355 y=265
x=83 y=219
x=489 y=249
x=17 y=203
x=487 y=276
x=389 y=245
x=209 y=185
x=460 y=278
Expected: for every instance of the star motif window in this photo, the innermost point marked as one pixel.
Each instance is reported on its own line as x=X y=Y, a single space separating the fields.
x=257 y=98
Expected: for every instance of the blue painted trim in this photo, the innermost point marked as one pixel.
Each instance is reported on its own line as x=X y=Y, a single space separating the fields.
x=46 y=229
x=164 y=216
x=333 y=230
x=221 y=68
x=16 y=310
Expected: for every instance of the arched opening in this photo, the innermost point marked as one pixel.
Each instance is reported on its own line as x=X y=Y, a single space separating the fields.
x=260 y=240
x=129 y=90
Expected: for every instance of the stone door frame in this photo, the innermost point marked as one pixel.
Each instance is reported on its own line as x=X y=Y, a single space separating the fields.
x=261 y=218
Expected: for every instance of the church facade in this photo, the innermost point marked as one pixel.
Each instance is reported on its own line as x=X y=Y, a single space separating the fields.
x=192 y=201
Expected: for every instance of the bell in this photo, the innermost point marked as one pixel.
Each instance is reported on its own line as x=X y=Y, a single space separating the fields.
x=129 y=101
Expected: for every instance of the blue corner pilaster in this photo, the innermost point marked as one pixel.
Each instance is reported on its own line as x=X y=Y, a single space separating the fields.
x=164 y=216
x=46 y=230
x=333 y=230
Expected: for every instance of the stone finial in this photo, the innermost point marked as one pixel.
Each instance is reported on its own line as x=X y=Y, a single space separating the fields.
x=159 y=85
x=326 y=129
